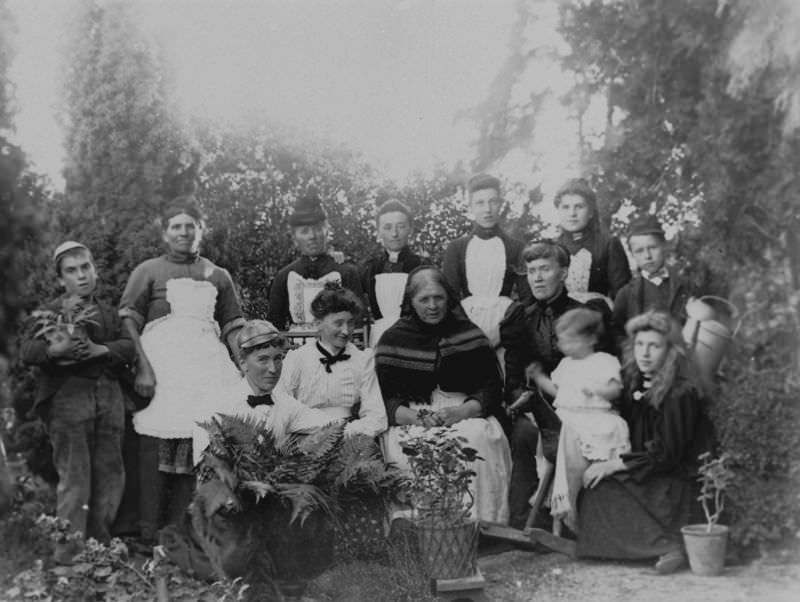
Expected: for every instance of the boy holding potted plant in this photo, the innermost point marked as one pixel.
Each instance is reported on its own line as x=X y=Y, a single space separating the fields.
x=78 y=345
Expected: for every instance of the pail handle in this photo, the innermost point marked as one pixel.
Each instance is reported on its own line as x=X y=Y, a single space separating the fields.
x=735 y=314
x=734 y=309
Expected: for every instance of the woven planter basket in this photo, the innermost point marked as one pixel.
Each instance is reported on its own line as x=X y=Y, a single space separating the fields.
x=449 y=552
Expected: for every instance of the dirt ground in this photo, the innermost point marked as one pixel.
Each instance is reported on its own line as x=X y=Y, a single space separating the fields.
x=519 y=576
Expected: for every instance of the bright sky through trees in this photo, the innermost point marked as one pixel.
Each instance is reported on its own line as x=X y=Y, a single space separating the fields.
x=385 y=77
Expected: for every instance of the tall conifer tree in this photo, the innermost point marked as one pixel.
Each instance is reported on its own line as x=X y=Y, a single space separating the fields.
x=125 y=151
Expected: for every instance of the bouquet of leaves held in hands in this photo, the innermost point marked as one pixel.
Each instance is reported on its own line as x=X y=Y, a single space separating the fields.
x=68 y=321
x=439 y=483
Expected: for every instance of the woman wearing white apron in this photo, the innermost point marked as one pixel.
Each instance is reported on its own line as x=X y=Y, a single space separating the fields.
x=435 y=359
x=483 y=266
x=296 y=284
x=186 y=310
x=383 y=275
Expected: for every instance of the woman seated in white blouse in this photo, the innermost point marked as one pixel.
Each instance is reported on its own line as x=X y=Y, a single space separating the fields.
x=330 y=373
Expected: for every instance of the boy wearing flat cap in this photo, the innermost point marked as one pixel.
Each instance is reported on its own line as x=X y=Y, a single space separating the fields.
x=261 y=351
x=656 y=286
x=80 y=399
x=296 y=285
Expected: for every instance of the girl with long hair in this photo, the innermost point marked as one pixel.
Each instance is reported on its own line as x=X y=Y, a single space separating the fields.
x=633 y=507
x=598 y=266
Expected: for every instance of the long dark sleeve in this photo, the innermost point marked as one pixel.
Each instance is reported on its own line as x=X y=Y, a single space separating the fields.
x=451 y=266
x=121 y=349
x=619 y=271
x=620 y=315
x=34 y=352
x=278 y=312
x=351 y=279
x=366 y=274
x=514 y=339
x=395 y=391
x=674 y=434
x=490 y=392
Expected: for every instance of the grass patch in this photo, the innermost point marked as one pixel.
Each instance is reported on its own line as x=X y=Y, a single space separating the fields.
x=401 y=578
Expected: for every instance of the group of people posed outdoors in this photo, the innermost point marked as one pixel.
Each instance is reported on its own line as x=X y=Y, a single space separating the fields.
x=551 y=347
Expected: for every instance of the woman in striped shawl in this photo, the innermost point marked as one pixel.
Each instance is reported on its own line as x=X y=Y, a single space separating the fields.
x=436 y=368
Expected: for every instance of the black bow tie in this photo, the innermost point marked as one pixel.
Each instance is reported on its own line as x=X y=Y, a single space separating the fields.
x=312 y=267
x=485 y=233
x=329 y=360
x=260 y=400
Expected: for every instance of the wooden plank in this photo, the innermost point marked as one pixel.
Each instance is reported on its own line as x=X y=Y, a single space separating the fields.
x=471 y=595
x=529 y=537
x=475 y=581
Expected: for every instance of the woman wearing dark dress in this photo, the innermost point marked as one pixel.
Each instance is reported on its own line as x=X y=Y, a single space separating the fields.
x=633 y=507
x=598 y=263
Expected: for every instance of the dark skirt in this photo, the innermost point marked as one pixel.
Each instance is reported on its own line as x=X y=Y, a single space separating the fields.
x=175 y=456
x=623 y=519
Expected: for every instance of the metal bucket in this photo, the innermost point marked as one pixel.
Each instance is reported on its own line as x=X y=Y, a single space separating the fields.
x=706 y=337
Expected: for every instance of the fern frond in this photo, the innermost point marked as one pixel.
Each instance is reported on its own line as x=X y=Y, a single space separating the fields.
x=323 y=441
x=261 y=489
x=305 y=498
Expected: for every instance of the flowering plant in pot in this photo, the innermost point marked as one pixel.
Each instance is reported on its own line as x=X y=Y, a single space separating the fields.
x=706 y=543
x=68 y=321
x=438 y=488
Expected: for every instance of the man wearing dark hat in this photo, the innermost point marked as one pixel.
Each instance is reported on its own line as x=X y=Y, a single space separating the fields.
x=656 y=286
x=80 y=399
x=296 y=285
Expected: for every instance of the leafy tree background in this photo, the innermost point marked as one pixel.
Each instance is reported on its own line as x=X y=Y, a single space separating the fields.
x=701 y=128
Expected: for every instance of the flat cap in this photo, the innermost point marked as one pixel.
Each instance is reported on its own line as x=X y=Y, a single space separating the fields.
x=65 y=247
x=483 y=181
x=256 y=332
x=645 y=224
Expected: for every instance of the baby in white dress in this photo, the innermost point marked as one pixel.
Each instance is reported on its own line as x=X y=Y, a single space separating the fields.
x=584 y=384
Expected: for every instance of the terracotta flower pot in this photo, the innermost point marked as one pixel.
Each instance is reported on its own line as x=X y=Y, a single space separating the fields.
x=706 y=549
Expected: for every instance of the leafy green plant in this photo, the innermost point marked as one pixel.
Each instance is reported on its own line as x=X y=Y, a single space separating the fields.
x=755 y=419
x=270 y=509
x=714 y=476
x=439 y=481
x=73 y=316
x=308 y=472
x=100 y=572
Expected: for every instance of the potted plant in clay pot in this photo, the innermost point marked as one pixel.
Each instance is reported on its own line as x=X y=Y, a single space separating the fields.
x=438 y=488
x=706 y=543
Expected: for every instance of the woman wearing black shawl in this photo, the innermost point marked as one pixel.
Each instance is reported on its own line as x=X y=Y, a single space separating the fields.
x=436 y=368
